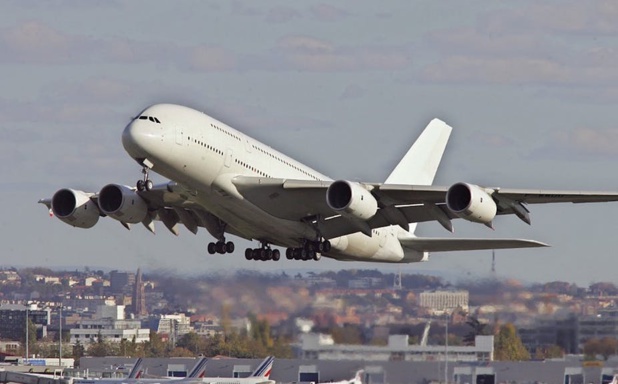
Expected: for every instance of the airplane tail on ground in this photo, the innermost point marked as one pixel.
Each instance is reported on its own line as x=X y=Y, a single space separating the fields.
x=265 y=367
x=199 y=369
x=358 y=377
x=136 y=371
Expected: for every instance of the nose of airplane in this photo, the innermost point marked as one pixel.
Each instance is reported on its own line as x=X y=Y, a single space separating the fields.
x=139 y=139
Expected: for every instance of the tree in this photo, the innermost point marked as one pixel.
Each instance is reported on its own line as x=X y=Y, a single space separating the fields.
x=478 y=329
x=508 y=345
x=605 y=347
x=549 y=352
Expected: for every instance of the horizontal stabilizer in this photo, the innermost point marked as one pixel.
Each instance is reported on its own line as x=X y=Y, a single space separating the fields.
x=436 y=244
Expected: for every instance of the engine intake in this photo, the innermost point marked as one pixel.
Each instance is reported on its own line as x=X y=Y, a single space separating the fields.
x=471 y=202
x=122 y=203
x=351 y=199
x=75 y=208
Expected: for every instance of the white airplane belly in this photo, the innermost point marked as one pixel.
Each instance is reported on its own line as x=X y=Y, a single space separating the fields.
x=358 y=246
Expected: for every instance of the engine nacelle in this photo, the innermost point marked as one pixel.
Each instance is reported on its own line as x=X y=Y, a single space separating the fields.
x=471 y=202
x=75 y=208
x=351 y=199
x=122 y=203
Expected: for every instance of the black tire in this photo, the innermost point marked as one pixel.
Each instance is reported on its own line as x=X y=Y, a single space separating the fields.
x=229 y=247
x=212 y=248
x=276 y=255
x=148 y=185
x=289 y=253
x=140 y=185
x=220 y=247
x=326 y=245
x=249 y=254
x=317 y=256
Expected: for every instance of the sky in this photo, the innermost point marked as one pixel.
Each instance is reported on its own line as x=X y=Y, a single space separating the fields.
x=529 y=87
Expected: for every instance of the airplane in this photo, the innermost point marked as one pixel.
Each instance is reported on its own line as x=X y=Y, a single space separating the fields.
x=229 y=183
x=355 y=380
x=261 y=375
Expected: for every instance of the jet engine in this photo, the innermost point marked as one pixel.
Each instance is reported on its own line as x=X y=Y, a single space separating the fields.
x=75 y=208
x=122 y=203
x=351 y=199
x=471 y=202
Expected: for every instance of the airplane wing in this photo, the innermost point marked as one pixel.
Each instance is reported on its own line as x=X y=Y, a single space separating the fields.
x=305 y=200
x=436 y=244
x=170 y=203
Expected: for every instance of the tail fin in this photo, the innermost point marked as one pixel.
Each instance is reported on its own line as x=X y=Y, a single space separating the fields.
x=263 y=370
x=357 y=378
x=420 y=163
x=136 y=371
x=199 y=368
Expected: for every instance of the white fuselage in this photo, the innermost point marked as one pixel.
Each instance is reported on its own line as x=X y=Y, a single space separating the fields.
x=204 y=155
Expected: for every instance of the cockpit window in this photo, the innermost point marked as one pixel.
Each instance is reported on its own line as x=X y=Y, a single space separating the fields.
x=151 y=118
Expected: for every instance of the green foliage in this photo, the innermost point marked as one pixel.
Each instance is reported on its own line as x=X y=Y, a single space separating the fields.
x=508 y=345
x=550 y=352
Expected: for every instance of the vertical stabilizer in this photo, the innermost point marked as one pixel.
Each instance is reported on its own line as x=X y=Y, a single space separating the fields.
x=420 y=163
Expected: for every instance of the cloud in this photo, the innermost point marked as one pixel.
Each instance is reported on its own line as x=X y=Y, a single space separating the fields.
x=571 y=17
x=352 y=91
x=312 y=54
x=464 y=69
x=582 y=143
x=282 y=14
x=492 y=140
x=211 y=59
x=328 y=13
x=34 y=41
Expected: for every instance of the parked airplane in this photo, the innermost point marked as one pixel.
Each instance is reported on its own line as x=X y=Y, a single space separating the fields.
x=229 y=183
x=355 y=380
x=261 y=375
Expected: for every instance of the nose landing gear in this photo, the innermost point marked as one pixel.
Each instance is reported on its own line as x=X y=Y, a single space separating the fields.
x=144 y=184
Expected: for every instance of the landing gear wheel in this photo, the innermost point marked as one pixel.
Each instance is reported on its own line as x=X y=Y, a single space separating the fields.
x=148 y=185
x=276 y=255
x=212 y=248
x=326 y=246
x=229 y=247
x=141 y=185
x=317 y=256
x=289 y=253
x=249 y=254
x=220 y=246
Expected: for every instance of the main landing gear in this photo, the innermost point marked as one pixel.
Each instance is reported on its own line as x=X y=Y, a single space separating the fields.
x=220 y=247
x=144 y=184
x=311 y=250
x=263 y=253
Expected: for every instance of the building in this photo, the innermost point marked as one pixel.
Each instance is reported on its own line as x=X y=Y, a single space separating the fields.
x=439 y=302
x=13 y=320
x=316 y=346
x=121 y=281
x=139 y=299
x=109 y=322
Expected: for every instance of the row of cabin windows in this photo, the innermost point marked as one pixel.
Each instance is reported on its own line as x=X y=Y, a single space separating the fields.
x=249 y=167
x=215 y=150
x=151 y=118
x=226 y=132
x=267 y=153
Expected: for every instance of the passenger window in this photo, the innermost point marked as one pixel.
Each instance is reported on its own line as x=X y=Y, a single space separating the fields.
x=151 y=119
